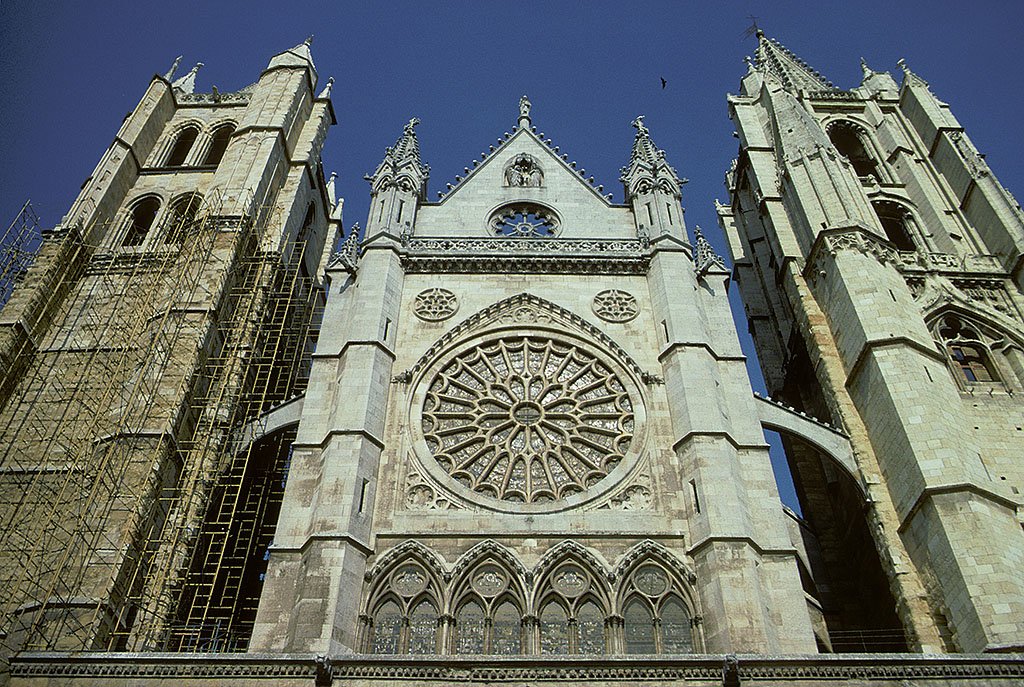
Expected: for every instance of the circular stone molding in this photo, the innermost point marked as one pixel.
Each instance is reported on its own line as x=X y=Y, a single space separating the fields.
x=613 y=305
x=527 y=420
x=434 y=305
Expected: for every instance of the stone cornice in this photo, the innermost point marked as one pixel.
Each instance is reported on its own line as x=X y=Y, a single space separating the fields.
x=445 y=670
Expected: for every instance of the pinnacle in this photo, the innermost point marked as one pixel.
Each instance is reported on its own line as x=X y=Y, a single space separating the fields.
x=795 y=74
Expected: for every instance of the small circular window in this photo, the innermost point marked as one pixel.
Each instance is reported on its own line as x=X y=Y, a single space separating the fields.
x=524 y=220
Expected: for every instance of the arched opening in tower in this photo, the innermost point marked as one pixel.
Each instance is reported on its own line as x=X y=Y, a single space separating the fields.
x=218 y=598
x=848 y=142
x=895 y=220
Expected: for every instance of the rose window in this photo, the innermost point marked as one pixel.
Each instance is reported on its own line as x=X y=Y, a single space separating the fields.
x=615 y=306
x=435 y=305
x=527 y=419
x=524 y=221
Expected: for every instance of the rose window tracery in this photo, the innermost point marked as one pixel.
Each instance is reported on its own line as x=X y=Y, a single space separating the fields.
x=435 y=305
x=527 y=419
x=524 y=220
x=613 y=305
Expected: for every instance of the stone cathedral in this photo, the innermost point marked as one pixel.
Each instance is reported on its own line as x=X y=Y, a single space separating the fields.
x=508 y=436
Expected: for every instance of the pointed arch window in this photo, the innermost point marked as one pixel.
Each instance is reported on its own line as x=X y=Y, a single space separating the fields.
x=897 y=223
x=387 y=629
x=638 y=628
x=404 y=615
x=573 y=603
x=656 y=619
x=852 y=143
x=470 y=626
x=218 y=144
x=554 y=629
x=967 y=351
x=182 y=146
x=140 y=220
x=489 y=598
x=423 y=629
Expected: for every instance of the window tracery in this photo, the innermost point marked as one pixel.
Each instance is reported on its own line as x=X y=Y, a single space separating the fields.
x=967 y=350
x=435 y=305
x=489 y=604
x=613 y=305
x=527 y=419
x=405 y=614
x=575 y=594
x=524 y=220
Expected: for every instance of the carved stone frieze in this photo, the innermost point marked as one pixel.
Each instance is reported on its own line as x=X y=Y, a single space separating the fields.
x=544 y=255
x=987 y=670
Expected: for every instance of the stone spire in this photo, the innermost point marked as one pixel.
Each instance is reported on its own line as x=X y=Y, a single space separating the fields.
x=299 y=56
x=187 y=83
x=774 y=58
x=402 y=163
x=647 y=168
x=705 y=258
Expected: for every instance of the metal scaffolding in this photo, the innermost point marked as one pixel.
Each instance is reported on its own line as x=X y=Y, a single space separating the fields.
x=131 y=517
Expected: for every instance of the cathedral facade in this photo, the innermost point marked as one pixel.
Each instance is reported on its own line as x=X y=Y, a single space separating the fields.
x=508 y=436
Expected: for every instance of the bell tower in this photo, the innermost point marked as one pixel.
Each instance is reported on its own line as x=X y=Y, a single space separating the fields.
x=880 y=263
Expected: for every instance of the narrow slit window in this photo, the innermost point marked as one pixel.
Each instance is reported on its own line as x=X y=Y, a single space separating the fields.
x=696 y=498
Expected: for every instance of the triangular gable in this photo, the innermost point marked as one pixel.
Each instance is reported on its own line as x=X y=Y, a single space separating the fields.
x=552 y=161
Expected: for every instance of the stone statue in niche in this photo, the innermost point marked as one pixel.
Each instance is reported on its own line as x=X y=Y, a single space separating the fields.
x=524 y=171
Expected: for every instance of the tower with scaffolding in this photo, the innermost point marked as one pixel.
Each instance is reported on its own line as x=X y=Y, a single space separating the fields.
x=140 y=341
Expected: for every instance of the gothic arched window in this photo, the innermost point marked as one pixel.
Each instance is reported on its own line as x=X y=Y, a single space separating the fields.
x=140 y=220
x=181 y=219
x=851 y=142
x=573 y=599
x=387 y=628
x=896 y=222
x=470 y=626
x=182 y=146
x=638 y=628
x=967 y=350
x=403 y=610
x=656 y=618
x=423 y=629
x=218 y=144
x=554 y=629
x=488 y=598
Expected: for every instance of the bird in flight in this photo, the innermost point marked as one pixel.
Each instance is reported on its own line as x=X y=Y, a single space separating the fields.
x=663 y=83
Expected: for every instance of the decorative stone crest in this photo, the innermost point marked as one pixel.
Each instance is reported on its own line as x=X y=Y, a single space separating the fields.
x=613 y=305
x=434 y=305
x=524 y=171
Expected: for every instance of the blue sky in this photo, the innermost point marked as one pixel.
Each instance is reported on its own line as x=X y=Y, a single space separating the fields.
x=71 y=71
